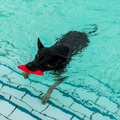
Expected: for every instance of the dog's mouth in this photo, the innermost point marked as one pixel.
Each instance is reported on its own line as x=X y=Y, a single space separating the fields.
x=32 y=67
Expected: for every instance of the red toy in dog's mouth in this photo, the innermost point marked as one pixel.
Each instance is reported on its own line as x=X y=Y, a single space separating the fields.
x=23 y=67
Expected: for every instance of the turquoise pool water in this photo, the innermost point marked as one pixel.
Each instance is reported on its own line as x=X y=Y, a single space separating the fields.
x=91 y=90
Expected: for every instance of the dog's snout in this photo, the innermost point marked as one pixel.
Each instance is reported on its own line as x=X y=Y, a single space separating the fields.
x=29 y=65
x=32 y=66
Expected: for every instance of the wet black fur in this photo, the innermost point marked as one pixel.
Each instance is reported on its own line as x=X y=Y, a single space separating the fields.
x=59 y=55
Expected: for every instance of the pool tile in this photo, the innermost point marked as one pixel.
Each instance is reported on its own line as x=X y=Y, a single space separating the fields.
x=66 y=87
x=31 y=89
x=1 y=85
x=3 y=118
x=39 y=87
x=4 y=80
x=35 y=103
x=74 y=118
x=4 y=105
x=5 y=61
x=81 y=109
x=56 y=102
x=74 y=112
x=13 y=92
x=21 y=103
x=4 y=70
x=98 y=116
x=118 y=112
x=19 y=79
x=107 y=104
x=21 y=115
x=118 y=100
x=13 y=84
x=86 y=95
x=43 y=117
x=67 y=101
x=86 y=118
x=92 y=81
x=57 y=113
x=5 y=95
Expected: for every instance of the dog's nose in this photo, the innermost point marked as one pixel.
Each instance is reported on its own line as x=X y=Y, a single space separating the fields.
x=29 y=65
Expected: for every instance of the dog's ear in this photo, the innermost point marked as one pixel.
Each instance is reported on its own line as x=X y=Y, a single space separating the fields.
x=40 y=45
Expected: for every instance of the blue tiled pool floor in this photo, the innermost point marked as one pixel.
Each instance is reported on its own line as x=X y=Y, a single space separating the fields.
x=91 y=91
x=20 y=100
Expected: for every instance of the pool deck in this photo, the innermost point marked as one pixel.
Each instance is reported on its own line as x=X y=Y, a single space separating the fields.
x=20 y=100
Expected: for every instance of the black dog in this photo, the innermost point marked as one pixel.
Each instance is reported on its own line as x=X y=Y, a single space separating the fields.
x=58 y=56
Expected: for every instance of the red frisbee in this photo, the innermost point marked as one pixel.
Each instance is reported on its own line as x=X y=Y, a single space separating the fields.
x=23 y=67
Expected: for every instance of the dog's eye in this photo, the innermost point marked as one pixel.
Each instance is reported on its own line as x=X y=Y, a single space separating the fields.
x=36 y=56
x=49 y=65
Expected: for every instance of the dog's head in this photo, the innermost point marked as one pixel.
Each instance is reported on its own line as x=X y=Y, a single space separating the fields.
x=48 y=58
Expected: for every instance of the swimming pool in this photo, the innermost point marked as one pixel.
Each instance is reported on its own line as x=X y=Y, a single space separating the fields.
x=91 y=90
